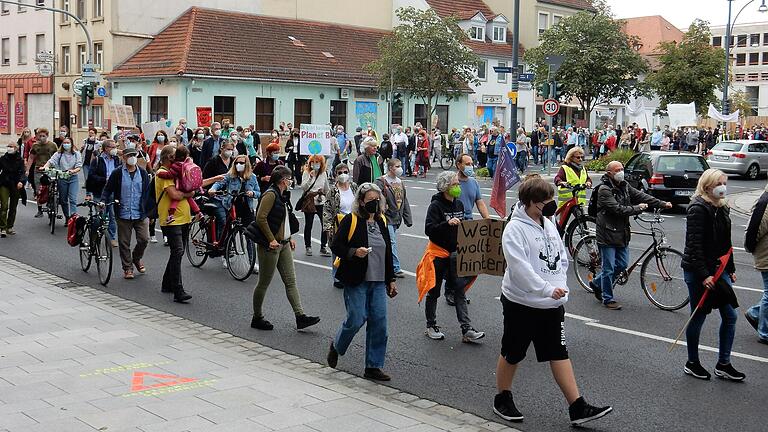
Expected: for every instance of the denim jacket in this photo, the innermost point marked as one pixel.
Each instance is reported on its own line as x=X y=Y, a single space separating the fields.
x=232 y=184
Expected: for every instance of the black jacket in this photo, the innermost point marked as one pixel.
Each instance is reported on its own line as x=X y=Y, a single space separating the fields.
x=97 y=176
x=436 y=226
x=216 y=166
x=386 y=149
x=12 y=170
x=114 y=188
x=615 y=204
x=207 y=152
x=411 y=143
x=352 y=269
x=707 y=237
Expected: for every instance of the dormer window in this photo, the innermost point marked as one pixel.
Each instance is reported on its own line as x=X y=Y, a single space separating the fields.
x=499 y=34
x=477 y=33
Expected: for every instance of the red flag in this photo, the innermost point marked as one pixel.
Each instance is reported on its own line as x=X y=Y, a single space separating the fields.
x=504 y=178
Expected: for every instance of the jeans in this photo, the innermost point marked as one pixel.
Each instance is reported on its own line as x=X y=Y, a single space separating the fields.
x=445 y=268
x=535 y=151
x=491 y=164
x=522 y=161
x=221 y=220
x=86 y=169
x=760 y=310
x=309 y=221
x=393 y=239
x=112 y=227
x=614 y=261
x=125 y=229
x=404 y=163
x=553 y=155
x=177 y=241
x=68 y=189
x=366 y=303
x=9 y=199
x=727 y=323
x=280 y=259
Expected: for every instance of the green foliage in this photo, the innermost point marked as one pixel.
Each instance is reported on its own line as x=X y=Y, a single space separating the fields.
x=427 y=56
x=739 y=102
x=600 y=64
x=689 y=71
x=621 y=155
x=482 y=172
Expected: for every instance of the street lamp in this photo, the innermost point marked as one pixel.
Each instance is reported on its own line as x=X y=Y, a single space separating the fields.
x=728 y=32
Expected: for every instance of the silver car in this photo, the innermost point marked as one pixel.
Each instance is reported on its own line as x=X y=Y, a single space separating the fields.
x=746 y=157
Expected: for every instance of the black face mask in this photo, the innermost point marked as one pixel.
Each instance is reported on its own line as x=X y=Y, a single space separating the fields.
x=549 y=209
x=372 y=206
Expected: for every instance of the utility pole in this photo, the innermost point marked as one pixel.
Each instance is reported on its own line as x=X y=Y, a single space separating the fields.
x=515 y=68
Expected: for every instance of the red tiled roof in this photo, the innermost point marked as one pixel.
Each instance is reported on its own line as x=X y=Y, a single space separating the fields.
x=574 y=4
x=651 y=30
x=207 y=42
x=446 y=8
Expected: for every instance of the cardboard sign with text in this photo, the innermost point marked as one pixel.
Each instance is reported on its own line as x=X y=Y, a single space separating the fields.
x=479 y=248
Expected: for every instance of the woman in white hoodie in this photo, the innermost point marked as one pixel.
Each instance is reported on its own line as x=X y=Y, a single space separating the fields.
x=534 y=290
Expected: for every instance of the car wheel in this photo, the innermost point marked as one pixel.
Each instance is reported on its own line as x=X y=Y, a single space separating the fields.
x=753 y=171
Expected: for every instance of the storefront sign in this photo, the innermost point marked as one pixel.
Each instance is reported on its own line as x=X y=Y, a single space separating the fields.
x=315 y=139
x=18 y=115
x=204 y=116
x=4 y=116
x=479 y=248
x=493 y=99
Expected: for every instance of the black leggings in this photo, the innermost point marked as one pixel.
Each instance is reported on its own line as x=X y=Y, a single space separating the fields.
x=309 y=219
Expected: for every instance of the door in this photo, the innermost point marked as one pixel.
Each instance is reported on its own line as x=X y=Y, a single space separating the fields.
x=64 y=114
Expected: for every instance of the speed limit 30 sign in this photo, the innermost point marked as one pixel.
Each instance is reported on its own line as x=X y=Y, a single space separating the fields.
x=551 y=107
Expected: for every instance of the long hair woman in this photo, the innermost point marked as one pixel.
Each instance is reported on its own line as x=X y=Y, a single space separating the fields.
x=315 y=187
x=69 y=160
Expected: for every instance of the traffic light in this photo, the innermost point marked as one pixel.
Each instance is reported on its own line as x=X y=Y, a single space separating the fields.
x=87 y=93
x=543 y=90
x=558 y=89
x=397 y=101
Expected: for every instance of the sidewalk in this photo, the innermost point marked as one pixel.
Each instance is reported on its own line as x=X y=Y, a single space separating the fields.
x=73 y=358
x=742 y=202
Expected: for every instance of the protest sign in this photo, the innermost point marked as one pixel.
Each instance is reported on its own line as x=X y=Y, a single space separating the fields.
x=682 y=115
x=204 y=116
x=151 y=128
x=122 y=115
x=315 y=139
x=479 y=248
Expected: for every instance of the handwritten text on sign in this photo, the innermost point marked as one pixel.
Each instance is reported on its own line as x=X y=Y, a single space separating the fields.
x=479 y=248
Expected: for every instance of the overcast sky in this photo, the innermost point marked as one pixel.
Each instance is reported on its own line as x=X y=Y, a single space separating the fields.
x=682 y=12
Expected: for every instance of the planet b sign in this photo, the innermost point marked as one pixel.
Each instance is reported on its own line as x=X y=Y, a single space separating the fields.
x=315 y=139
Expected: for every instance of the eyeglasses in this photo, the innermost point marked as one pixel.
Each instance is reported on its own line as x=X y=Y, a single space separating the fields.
x=578 y=157
x=343 y=172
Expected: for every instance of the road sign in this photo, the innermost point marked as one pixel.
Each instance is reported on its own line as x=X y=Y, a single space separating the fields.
x=91 y=67
x=551 y=107
x=87 y=79
x=101 y=91
x=502 y=69
x=44 y=57
x=45 y=69
x=527 y=77
x=77 y=86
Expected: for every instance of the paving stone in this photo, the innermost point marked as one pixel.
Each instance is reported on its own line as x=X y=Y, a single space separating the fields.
x=241 y=412
x=351 y=423
x=286 y=419
x=339 y=407
x=388 y=417
x=180 y=408
x=180 y=425
x=236 y=397
x=120 y=419
x=423 y=403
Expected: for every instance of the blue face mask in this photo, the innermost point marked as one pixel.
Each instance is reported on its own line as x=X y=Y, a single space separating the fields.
x=469 y=171
x=275 y=156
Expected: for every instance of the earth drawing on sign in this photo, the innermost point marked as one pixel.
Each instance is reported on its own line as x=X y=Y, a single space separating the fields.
x=315 y=147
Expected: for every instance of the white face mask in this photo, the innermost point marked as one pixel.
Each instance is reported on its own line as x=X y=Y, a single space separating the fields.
x=11 y=150
x=720 y=191
x=161 y=138
x=216 y=133
x=343 y=178
x=315 y=166
x=618 y=177
x=228 y=154
x=62 y=133
x=399 y=171
x=274 y=135
x=113 y=152
x=200 y=136
x=131 y=160
x=240 y=167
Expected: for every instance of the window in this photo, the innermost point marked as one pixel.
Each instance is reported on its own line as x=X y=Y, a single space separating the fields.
x=420 y=114
x=499 y=34
x=741 y=59
x=754 y=59
x=265 y=114
x=21 y=8
x=6 y=51
x=717 y=41
x=65 y=60
x=482 y=70
x=39 y=43
x=65 y=6
x=754 y=40
x=81 y=57
x=741 y=40
x=502 y=77
x=543 y=22
x=302 y=111
x=158 y=108
x=441 y=111
x=95 y=116
x=40 y=2
x=339 y=113
x=556 y=19
x=739 y=77
x=22 y=45
x=98 y=8
x=733 y=40
x=765 y=58
x=765 y=39
x=224 y=107
x=135 y=103
x=98 y=53
x=477 y=33
x=5 y=10
x=397 y=112
x=80 y=9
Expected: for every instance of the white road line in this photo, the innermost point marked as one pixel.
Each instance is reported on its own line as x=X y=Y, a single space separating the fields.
x=325 y=267
x=414 y=236
x=747 y=289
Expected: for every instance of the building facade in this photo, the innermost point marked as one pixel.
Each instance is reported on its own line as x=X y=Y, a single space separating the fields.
x=749 y=62
x=26 y=98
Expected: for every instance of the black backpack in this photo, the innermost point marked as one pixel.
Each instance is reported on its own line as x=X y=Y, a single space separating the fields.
x=151 y=202
x=592 y=205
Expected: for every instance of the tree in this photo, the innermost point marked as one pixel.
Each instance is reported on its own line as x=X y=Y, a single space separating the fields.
x=426 y=56
x=689 y=71
x=600 y=63
x=739 y=101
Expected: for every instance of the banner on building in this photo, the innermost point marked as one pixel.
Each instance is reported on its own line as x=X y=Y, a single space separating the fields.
x=150 y=129
x=682 y=115
x=19 y=119
x=366 y=114
x=315 y=139
x=204 y=116
x=479 y=249
x=122 y=115
x=4 y=117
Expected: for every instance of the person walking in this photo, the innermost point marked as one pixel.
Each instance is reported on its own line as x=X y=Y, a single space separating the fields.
x=398 y=210
x=572 y=173
x=756 y=243
x=534 y=291
x=616 y=202
x=495 y=143
x=263 y=169
x=40 y=153
x=368 y=166
x=89 y=150
x=521 y=145
x=272 y=231
x=292 y=160
x=315 y=186
x=341 y=198
x=366 y=270
x=707 y=238
x=12 y=181
x=212 y=144
x=129 y=186
x=196 y=147
x=69 y=160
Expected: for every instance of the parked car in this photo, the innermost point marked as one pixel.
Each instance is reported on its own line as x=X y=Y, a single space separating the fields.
x=669 y=176
x=745 y=157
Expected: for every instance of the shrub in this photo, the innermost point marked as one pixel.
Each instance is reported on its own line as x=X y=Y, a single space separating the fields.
x=482 y=172
x=621 y=155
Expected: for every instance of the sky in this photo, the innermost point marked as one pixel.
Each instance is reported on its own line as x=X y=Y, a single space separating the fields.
x=682 y=12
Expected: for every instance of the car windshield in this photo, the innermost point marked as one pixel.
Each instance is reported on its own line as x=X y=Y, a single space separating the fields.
x=728 y=146
x=680 y=163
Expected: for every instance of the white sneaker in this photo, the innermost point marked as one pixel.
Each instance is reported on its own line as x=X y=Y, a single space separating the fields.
x=434 y=333
x=152 y=239
x=255 y=268
x=472 y=335
x=165 y=241
x=224 y=263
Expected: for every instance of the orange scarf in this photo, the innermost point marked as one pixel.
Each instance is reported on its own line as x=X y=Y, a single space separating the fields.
x=425 y=271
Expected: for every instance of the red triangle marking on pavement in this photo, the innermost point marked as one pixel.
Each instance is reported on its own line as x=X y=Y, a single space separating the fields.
x=137 y=383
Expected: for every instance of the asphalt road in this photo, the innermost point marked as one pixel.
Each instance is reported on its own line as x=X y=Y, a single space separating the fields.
x=621 y=358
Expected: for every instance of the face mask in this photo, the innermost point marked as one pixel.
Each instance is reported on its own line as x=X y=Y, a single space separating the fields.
x=43 y=139
x=343 y=178
x=173 y=144
x=234 y=138
x=468 y=171
x=240 y=167
x=246 y=134
x=161 y=138
x=549 y=209
x=66 y=146
x=275 y=156
x=113 y=152
x=130 y=145
x=719 y=191
x=315 y=166
x=184 y=125
x=131 y=160
x=62 y=133
x=619 y=177
x=274 y=135
x=11 y=150
x=372 y=206
x=216 y=133
x=399 y=171
x=200 y=136
x=228 y=153
x=454 y=191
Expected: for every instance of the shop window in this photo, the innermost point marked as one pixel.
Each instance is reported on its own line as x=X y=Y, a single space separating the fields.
x=224 y=107
x=135 y=103
x=302 y=112
x=158 y=108
x=339 y=113
x=265 y=114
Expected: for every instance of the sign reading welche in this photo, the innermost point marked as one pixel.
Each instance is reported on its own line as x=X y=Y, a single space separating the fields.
x=479 y=248
x=315 y=139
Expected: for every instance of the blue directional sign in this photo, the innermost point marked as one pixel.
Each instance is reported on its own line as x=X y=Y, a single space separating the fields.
x=502 y=69
x=527 y=77
x=101 y=91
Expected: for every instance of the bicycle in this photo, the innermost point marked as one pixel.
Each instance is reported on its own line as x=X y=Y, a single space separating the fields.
x=661 y=275
x=52 y=204
x=580 y=226
x=238 y=251
x=447 y=158
x=95 y=244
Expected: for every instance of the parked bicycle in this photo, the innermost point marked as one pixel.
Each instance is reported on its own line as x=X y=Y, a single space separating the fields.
x=204 y=242
x=661 y=276
x=95 y=244
x=447 y=158
x=573 y=222
x=51 y=176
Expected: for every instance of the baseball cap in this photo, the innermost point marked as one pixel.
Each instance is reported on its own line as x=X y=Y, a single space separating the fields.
x=130 y=152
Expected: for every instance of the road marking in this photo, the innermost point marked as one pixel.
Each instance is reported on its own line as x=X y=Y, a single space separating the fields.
x=414 y=236
x=325 y=267
x=747 y=289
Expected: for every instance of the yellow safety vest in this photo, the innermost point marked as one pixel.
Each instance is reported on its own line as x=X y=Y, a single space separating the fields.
x=572 y=179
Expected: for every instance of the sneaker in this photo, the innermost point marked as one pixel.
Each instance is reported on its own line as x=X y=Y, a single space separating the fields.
x=472 y=335
x=114 y=243
x=376 y=374
x=450 y=299
x=399 y=274
x=2 y=233
x=695 y=370
x=332 y=357
x=582 y=412
x=338 y=285
x=434 y=333
x=128 y=274
x=224 y=263
x=751 y=320
x=165 y=241
x=304 y=321
x=261 y=324
x=255 y=268
x=181 y=297
x=325 y=252
x=308 y=251
x=596 y=291
x=39 y=214
x=612 y=305
x=10 y=231
x=728 y=372
x=153 y=239
x=762 y=341
x=504 y=407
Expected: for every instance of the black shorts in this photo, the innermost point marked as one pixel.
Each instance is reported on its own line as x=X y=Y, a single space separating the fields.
x=524 y=324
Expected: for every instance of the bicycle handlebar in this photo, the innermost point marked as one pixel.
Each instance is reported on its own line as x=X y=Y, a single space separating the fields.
x=656 y=219
x=97 y=204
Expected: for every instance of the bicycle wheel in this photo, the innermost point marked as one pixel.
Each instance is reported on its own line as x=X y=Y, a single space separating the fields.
x=661 y=278
x=240 y=255
x=586 y=261
x=577 y=230
x=197 y=248
x=53 y=208
x=446 y=162
x=85 y=249
x=103 y=258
